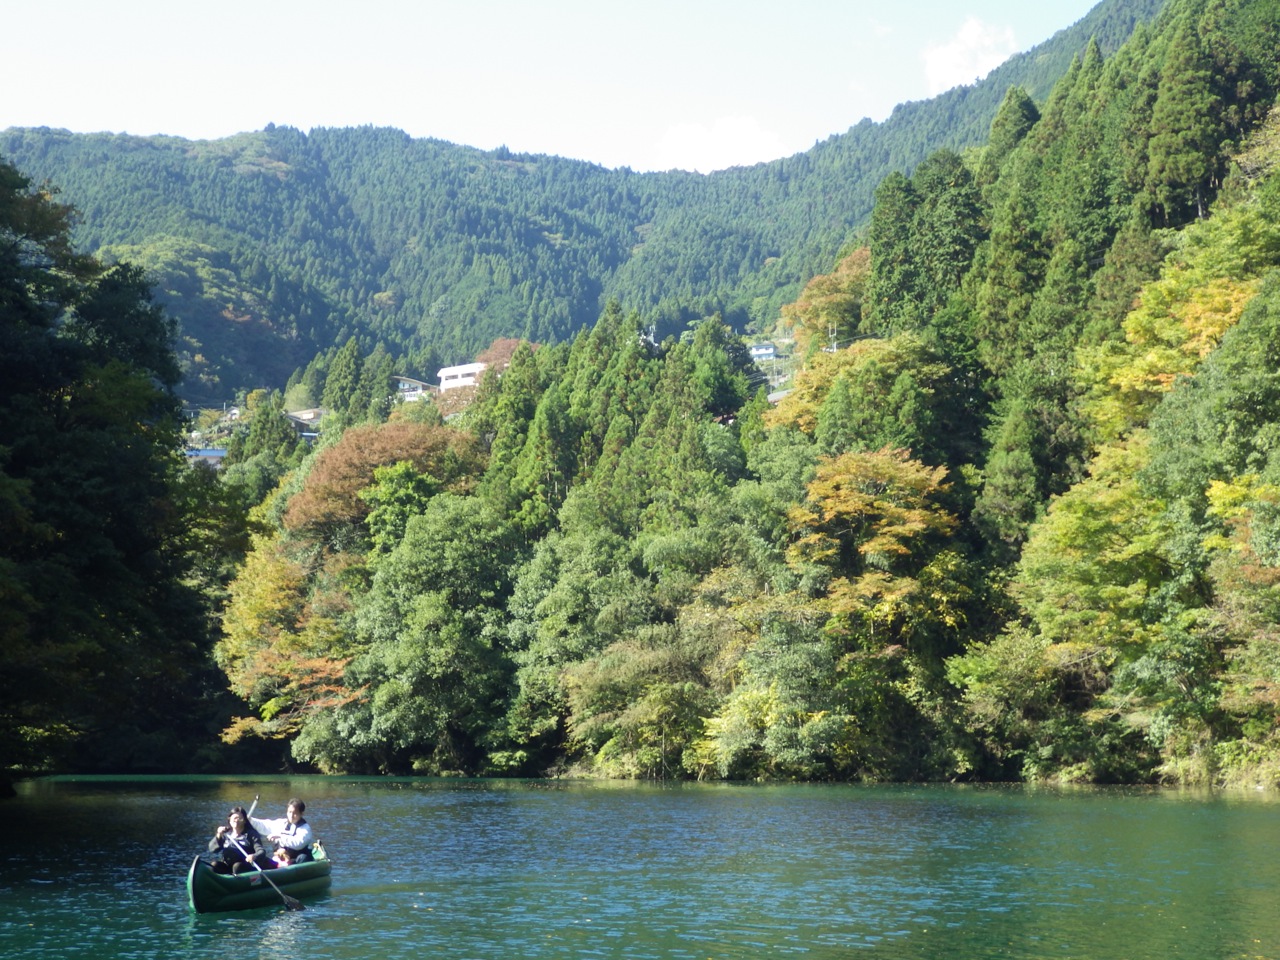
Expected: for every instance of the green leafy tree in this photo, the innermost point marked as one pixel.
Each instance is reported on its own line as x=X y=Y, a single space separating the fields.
x=398 y=492
x=103 y=632
x=544 y=470
x=427 y=665
x=895 y=260
x=724 y=375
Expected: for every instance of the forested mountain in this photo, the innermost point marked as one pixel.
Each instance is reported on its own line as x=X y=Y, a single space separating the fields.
x=1025 y=526
x=272 y=247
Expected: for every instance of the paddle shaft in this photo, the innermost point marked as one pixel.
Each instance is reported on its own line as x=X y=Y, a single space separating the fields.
x=289 y=902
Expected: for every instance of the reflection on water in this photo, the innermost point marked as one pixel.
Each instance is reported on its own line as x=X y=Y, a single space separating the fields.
x=537 y=870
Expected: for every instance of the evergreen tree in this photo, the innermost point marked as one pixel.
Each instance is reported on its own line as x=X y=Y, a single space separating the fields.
x=1015 y=118
x=342 y=382
x=895 y=268
x=1186 y=131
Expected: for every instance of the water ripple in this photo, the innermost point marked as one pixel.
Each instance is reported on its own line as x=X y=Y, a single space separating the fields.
x=477 y=871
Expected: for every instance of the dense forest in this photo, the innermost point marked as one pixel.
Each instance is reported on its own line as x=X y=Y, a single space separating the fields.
x=1023 y=526
x=271 y=247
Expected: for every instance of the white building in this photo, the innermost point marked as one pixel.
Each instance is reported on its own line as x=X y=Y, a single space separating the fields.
x=464 y=375
x=410 y=390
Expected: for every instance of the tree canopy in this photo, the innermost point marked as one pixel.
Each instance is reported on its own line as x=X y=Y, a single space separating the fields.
x=102 y=554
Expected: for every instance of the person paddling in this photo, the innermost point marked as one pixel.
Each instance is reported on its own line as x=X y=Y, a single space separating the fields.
x=238 y=844
x=292 y=832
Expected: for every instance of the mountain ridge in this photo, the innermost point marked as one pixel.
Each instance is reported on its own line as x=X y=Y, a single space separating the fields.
x=435 y=249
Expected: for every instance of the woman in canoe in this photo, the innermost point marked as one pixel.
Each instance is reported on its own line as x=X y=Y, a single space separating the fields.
x=238 y=845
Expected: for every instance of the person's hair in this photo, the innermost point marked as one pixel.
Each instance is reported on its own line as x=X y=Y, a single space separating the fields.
x=237 y=811
x=295 y=802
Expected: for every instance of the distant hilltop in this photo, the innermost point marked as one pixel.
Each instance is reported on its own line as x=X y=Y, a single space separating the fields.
x=273 y=246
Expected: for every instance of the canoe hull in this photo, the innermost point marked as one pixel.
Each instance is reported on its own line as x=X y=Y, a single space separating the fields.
x=210 y=892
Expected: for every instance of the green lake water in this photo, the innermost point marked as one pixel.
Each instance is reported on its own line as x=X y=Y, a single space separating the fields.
x=96 y=868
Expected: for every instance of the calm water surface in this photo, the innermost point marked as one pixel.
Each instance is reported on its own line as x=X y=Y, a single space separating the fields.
x=96 y=868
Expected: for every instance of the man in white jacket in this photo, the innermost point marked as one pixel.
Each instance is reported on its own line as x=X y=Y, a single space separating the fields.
x=293 y=832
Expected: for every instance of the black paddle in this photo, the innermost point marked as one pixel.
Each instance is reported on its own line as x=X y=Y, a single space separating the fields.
x=289 y=902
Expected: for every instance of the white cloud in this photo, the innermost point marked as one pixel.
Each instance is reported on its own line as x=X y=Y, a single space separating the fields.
x=976 y=50
x=724 y=142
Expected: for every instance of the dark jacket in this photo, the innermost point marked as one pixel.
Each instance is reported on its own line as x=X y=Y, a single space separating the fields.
x=249 y=840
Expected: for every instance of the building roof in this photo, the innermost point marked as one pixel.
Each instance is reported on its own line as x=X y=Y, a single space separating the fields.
x=461 y=370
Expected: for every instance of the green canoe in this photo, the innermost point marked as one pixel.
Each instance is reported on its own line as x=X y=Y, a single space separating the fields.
x=210 y=892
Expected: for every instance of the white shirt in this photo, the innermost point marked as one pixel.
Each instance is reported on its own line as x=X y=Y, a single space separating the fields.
x=291 y=836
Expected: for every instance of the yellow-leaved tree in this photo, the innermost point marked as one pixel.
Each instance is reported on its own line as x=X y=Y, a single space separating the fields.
x=282 y=642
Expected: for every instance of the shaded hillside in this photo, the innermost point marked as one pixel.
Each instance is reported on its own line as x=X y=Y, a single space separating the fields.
x=272 y=246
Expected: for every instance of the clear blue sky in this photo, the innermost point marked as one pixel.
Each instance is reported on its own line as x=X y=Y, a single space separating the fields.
x=655 y=85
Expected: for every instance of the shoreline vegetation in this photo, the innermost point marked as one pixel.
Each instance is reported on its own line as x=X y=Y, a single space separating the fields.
x=1010 y=512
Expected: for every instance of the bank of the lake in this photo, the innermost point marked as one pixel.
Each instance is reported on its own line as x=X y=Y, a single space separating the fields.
x=498 y=869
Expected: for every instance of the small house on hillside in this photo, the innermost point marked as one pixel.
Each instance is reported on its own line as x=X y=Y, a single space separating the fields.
x=307 y=422
x=463 y=375
x=762 y=351
x=409 y=390
x=307 y=418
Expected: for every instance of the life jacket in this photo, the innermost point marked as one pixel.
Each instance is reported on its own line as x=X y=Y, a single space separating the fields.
x=302 y=854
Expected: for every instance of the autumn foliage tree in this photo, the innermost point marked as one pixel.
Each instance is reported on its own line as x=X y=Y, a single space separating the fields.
x=328 y=503
x=287 y=628
x=829 y=309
